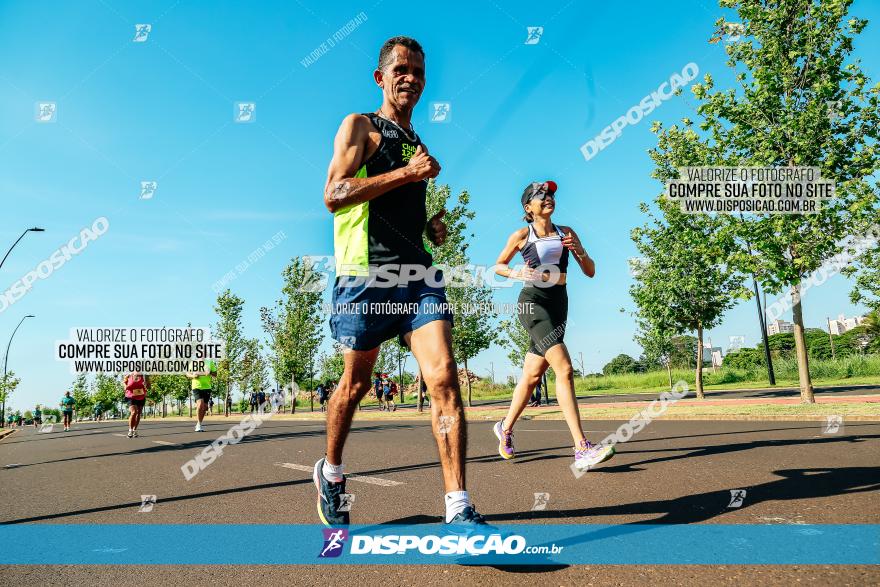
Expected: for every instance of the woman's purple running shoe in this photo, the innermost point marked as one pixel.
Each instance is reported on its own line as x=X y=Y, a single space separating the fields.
x=589 y=455
x=505 y=441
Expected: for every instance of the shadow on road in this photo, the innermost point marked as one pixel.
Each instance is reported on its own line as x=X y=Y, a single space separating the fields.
x=693 y=509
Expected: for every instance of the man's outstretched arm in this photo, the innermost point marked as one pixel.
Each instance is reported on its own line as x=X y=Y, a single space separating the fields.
x=349 y=153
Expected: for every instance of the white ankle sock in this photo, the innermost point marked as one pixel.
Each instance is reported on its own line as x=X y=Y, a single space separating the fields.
x=332 y=473
x=456 y=501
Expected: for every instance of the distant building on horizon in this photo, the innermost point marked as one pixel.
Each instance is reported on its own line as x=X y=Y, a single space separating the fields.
x=712 y=355
x=843 y=324
x=736 y=343
x=779 y=326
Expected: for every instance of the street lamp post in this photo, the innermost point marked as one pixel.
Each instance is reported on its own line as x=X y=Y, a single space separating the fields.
x=6 y=360
x=34 y=229
x=770 y=375
x=761 y=319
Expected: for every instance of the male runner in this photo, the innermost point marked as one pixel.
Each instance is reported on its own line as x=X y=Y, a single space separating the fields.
x=376 y=187
x=67 y=403
x=202 y=385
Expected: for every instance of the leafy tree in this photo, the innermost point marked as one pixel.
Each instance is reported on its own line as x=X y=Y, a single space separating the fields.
x=169 y=385
x=386 y=359
x=872 y=324
x=856 y=341
x=472 y=330
x=620 y=364
x=332 y=365
x=293 y=325
x=802 y=100
x=657 y=347
x=254 y=371
x=819 y=348
x=866 y=270
x=395 y=357
x=684 y=352
x=515 y=338
x=163 y=386
x=744 y=358
x=781 y=345
x=684 y=283
x=80 y=393
x=107 y=391
x=228 y=329
x=8 y=383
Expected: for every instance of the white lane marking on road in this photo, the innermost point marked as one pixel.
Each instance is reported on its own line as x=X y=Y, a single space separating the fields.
x=12 y=465
x=165 y=442
x=352 y=477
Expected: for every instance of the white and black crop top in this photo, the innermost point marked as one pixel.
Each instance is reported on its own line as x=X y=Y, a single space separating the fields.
x=547 y=250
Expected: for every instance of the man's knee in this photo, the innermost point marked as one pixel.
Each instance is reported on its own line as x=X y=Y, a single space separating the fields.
x=441 y=374
x=351 y=392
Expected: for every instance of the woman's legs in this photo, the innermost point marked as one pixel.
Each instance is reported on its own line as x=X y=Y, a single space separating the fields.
x=533 y=367
x=560 y=361
x=132 y=410
x=137 y=415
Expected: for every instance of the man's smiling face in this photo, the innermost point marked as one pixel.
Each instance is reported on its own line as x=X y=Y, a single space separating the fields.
x=403 y=79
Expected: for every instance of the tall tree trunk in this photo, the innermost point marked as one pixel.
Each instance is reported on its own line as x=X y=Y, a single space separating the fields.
x=800 y=346
x=669 y=372
x=190 y=405
x=311 y=384
x=400 y=379
x=468 y=379
x=292 y=395
x=700 y=394
x=421 y=393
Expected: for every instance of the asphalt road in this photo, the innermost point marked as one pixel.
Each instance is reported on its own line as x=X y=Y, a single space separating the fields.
x=674 y=472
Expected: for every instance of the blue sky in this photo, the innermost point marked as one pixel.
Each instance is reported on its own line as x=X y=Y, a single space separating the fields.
x=163 y=110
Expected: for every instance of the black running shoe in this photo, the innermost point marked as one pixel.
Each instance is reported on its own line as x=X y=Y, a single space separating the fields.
x=467 y=517
x=329 y=498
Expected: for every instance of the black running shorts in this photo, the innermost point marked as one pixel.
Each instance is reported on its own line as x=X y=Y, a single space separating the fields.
x=543 y=311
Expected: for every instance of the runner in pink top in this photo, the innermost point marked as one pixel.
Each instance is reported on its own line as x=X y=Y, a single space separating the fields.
x=136 y=387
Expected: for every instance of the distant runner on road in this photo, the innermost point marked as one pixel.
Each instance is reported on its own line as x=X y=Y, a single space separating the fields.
x=135 y=396
x=202 y=386
x=67 y=404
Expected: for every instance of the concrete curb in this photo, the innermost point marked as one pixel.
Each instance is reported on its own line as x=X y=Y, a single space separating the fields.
x=6 y=432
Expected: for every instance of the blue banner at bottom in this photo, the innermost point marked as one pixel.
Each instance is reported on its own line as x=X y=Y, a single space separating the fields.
x=512 y=544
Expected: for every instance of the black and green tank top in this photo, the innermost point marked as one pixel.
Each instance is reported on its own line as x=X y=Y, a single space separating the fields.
x=387 y=229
